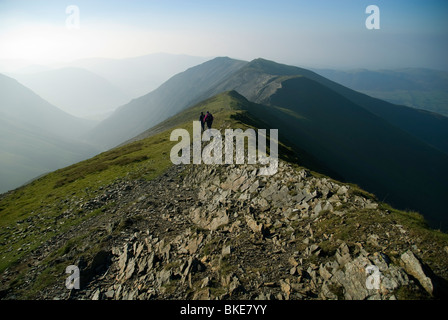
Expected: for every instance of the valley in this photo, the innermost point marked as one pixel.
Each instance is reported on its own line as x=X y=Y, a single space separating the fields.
x=357 y=183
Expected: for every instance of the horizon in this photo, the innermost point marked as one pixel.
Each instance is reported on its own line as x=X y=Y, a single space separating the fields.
x=314 y=35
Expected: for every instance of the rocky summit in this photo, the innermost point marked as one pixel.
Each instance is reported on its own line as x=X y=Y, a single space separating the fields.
x=226 y=232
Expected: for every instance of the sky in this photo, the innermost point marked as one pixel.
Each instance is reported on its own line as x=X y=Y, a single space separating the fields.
x=318 y=33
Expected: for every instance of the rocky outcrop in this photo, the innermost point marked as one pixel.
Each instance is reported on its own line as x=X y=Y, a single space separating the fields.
x=225 y=232
x=245 y=236
x=413 y=266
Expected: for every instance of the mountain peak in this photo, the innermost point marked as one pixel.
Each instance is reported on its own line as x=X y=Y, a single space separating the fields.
x=274 y=68
x=141 y=228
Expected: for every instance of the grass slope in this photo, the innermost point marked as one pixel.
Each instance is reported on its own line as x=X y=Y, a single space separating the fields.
x=34 y=214
x=364 y=148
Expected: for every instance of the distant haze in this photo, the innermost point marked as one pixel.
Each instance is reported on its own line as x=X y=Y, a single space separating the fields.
x=94 y=88
x=321 y=34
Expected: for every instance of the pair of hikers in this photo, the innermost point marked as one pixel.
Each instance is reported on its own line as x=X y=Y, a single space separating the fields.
x=206 y=119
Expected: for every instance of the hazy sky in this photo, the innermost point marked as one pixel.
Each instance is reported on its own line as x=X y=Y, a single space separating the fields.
x=317 y=33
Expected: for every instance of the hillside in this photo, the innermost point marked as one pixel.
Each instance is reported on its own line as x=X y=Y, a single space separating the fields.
x=139 y=75
x=418 y=88
x=175 y=95
x=35 y=136
x=229 y=233
x=259 y=79
x=397 y=153
x=75 y=90
x=363 y=148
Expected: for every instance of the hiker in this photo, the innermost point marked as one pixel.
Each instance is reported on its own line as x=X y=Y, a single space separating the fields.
x=202 y=120
x=209 y=120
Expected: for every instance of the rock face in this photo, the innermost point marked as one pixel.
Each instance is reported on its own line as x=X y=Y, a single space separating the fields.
x=413 y=266
x=224 y=232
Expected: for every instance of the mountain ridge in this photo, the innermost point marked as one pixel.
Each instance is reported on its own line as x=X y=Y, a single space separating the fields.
x=414 y=87
x=77 y=91
x=230 y=234
x=36 y=137
x=141 y=74
x=146 y=111
x=259 y=81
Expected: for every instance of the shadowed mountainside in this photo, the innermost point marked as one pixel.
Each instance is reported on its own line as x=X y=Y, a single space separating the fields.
x=35 y=136
x=140 y=228
x=396 y=152
x=418 y=88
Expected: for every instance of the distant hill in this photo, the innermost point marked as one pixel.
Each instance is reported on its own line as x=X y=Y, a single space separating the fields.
x=139 y=227
x=75 y=90
x=398 y=153
x=176 y=94
x=256 y=82
x=138 y=75
x=418 y=88
x=35 y=136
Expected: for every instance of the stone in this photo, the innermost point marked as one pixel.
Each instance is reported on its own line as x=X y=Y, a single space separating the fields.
x=299 y=197
x=163 y=276
x=372 y=239
x=238 y=183
x=328 y=207
x=203 y=294
x=96 y=294
x=313 y=249
x=412 y=266
x=123 y=258
x=205 y=282
x=130 y=269
x=293 y=262
x=286 y=288
x=226 y=251
x=324 y=273
x=317 y=208
x=110 y=294
x=253 y=225
x=342 y=190
x=353 y=279
x=343 y=254
x=326 y=293
x=234 y=286
x=139 y=249
x=254 y=187
x=281 y=195
x=269 y=192
x=221 y=220
x=142 y=265
x=263 y=204
x=193 y=244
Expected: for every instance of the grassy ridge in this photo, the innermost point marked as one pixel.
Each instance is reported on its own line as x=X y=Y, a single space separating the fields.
x=53 y=204
x=33 y=214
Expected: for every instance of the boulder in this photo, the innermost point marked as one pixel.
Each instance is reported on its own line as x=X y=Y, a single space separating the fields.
x=412 y=266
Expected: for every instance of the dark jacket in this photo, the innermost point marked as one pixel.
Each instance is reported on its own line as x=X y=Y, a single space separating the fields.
x=208 y=118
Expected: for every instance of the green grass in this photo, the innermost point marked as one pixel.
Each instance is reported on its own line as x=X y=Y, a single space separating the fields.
x=359 y=224
x=41 y=203
x=51 y=205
